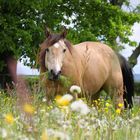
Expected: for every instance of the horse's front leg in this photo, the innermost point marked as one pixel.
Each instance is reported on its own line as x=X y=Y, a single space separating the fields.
x=51 y=91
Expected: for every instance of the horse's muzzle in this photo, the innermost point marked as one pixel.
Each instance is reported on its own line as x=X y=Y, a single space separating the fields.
x=53 y=76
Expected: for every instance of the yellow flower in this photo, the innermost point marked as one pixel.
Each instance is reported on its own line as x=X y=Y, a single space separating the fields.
x=58 y=97
x=9 y=118
x=106 y=109
x=118 y=111
x=96 y=102
x=44 y=136
x=28 y=108
x=63 y=100
x=107 y=105
x=120 y=105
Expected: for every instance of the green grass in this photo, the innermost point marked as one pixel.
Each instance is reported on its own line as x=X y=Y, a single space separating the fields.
x=61 y=123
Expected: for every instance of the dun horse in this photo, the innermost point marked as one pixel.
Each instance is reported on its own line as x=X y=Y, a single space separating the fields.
x=91 y=65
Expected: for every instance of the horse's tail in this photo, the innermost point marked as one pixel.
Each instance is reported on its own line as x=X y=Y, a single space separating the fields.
x=128 y=82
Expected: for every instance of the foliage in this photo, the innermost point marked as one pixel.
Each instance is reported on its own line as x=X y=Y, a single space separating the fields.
x=137 y=88
x=22 y=23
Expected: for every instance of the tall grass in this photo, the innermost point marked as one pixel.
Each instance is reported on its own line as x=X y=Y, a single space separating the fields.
x=51 y=122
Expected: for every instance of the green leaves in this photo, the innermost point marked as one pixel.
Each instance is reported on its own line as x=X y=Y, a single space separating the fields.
x=22 y=23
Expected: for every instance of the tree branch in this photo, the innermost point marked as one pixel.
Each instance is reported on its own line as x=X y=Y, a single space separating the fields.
x=117 y=2
x=134 y=56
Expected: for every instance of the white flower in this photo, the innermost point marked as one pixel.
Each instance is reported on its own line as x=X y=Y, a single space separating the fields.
x=75 y=89
x=57 y=134
x=44 y=100
x=67 y=97
x=80 y=106
x=4 y=133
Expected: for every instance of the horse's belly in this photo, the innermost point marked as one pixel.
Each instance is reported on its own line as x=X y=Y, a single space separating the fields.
x=94 y=79
x=92 y=86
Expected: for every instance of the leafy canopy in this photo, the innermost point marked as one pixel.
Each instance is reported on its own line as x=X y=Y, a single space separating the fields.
x=22 y=23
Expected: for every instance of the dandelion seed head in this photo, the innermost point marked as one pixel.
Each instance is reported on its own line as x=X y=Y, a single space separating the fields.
x=80 y=106
x=44 y=100
x=4 y=133
x=75 y=89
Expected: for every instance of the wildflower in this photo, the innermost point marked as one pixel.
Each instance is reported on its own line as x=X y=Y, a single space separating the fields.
x=96 y=102
x=64 y=100
x=28 y=108
x=107 y=105
x=4 y=133
x=9 y=118
x=58 y=97
x=44 y=136
x=120 y=105
x=75 y=89
x=80 y=106
x=106 y=109
x=67 y=97
x=44 y=100
x=57 y=134
x=118 y=111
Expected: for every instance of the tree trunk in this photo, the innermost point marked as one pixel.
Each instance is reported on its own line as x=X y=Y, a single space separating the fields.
x=134 y=56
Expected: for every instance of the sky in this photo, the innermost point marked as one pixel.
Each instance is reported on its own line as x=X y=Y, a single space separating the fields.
x=24 y=70
x=128 y=50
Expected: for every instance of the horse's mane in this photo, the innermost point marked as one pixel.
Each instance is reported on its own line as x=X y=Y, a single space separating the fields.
x=52 y=39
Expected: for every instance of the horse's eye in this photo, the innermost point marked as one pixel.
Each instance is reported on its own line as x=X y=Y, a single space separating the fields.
x=64 y=50
x=47 y=50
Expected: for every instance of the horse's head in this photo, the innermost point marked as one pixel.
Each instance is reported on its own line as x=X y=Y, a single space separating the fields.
x=54 y=52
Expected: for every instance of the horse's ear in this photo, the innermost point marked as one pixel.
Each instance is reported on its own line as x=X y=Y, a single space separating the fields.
x=47 y=32
x=64 y=32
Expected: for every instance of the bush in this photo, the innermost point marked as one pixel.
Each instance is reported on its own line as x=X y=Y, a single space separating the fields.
x=137 y=88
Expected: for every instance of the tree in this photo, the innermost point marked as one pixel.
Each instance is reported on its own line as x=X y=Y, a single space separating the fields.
x=136 y=52
x=22 y=23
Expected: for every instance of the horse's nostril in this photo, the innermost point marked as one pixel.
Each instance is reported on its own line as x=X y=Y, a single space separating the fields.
x=51 y=71
x=60 y=72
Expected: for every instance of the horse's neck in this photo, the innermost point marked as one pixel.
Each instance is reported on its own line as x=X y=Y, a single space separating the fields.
x=72 y=65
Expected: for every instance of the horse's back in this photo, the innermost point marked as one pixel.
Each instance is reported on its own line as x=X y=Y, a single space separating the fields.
x=96 y=46
x=101 y=65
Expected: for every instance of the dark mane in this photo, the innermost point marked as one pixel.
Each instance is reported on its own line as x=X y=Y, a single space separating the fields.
x=52 y=39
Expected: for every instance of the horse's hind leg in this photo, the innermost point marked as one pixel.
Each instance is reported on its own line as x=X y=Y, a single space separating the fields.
x=115 y=90
x=118 y=97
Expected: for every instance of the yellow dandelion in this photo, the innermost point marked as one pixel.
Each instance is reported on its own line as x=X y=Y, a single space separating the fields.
x=9 y=118
x=107 y=105
x=118 y=111
x=58 y=97
x=62 y=102
x=106 y=109
x=44 y=136
x=28 y=108
x=96 y=101
x=120 y=105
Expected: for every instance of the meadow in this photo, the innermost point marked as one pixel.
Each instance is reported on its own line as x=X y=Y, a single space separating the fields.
x=66 y=118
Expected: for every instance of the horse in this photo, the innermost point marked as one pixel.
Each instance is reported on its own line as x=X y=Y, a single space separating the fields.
x=93 y=66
